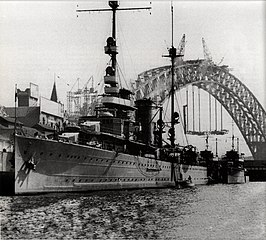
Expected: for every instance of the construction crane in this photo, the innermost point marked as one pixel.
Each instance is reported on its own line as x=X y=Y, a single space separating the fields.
x=79 y=101
x=208 y=57
x=181 y=46
x=206 y=52
x=180 y=51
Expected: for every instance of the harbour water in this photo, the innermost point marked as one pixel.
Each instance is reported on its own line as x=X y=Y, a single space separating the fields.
x=203 y=212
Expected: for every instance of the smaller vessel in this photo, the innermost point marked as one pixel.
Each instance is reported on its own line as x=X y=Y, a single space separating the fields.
x=232 y=166
x=208 y=159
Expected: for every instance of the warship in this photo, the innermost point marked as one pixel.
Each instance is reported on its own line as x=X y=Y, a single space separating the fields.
x=111 y=149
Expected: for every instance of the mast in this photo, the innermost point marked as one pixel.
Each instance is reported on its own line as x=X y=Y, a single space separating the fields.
x=160 y=141
x=114 y=5
x=174 y=115
x=216 y=147
x=111 y=48
x=15 y=124
x=172 y=55
x=233 y=137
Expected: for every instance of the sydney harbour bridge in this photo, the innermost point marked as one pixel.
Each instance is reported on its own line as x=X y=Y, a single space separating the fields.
x=239 y=102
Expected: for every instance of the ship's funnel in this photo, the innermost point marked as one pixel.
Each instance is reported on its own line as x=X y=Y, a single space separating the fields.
x=144 y=117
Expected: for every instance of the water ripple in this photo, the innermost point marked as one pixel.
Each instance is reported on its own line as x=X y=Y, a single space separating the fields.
x=203 y=212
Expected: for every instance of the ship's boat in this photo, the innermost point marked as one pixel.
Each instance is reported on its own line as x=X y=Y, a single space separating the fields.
x=110 y=150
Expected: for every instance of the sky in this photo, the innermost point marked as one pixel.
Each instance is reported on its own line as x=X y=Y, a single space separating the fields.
x=44 y=41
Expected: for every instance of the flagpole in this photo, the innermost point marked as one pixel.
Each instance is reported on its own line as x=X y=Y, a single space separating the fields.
x=15 y=126
x=15 y=107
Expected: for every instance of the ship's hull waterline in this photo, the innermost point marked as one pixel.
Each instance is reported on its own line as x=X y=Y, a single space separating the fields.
x=68 y=167
x=236 y=177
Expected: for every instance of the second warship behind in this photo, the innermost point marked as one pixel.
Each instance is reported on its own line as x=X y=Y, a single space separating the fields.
x=112 y=150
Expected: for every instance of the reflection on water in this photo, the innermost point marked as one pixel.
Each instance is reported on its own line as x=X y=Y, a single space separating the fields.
x=204 y=212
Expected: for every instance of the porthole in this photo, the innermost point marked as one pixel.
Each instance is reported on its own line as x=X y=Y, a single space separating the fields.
x=73 y=180
x=51 y=154
x=41 y=153
x=79 y=180
x=59 y=155
x=66 y=180
x=25 y=152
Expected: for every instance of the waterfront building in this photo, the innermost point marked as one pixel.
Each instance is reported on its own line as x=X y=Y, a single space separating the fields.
x=43 y=114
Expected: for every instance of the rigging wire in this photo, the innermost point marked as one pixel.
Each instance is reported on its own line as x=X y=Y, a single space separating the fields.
x=221 y=116
x=187 y=103
x=123 y=77
x=164 y=117
x=193 y=109
x=215 y=110
x=210 y=112
x=126 y=47
x=99 y=64
x=199 y=108
x=120 y=33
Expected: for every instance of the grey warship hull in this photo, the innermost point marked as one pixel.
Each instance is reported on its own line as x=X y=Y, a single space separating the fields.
x=43 y=166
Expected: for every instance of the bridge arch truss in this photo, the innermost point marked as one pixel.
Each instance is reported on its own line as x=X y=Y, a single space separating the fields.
x=235 y=97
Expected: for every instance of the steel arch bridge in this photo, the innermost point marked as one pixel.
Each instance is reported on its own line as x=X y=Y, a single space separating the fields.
x=234 y=96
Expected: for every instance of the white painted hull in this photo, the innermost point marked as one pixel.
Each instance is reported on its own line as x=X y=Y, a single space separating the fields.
x=67 y=167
